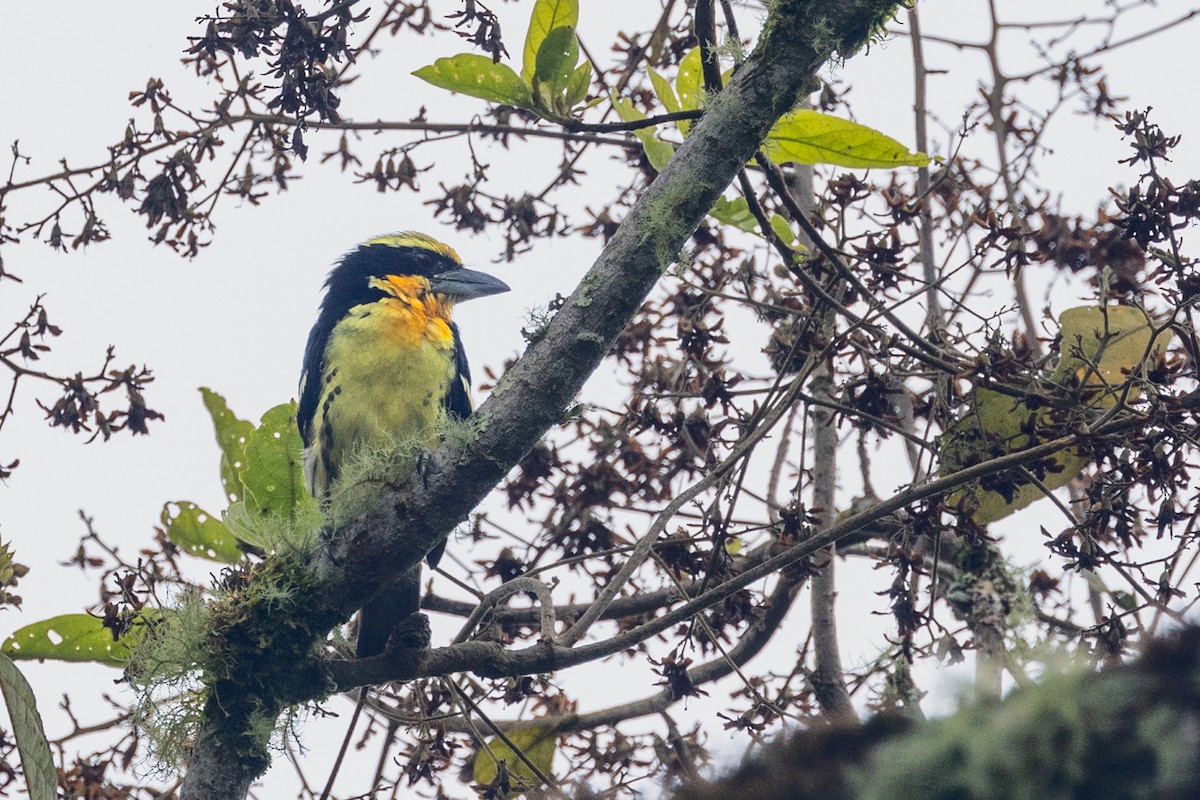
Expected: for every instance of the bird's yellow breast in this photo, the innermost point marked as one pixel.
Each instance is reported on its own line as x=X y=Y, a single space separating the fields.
x=389 y=366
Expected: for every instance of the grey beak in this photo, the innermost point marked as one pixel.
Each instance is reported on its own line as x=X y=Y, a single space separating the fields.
x=463 y=284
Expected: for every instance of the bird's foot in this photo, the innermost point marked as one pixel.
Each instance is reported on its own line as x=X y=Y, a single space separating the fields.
x=412 y=633
x=424 y=466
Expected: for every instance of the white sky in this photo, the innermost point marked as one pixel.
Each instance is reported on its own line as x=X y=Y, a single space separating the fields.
x=235 y=318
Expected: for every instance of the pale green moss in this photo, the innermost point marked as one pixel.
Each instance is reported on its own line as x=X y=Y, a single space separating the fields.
x=174 y=669
x=666 y=228
x=583 y=295
x=165 y=672
x=371 y=470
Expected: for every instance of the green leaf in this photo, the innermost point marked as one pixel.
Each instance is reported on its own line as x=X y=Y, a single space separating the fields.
x=1125 y=600
x=242 y=525
x=689 y=83
x=262 y=469
x=538 y=744
x=1094 y=581
x=996 y=425
x=72 y=637
x=231 y=438
x=556 y=58
x=199 y=533
x=810 y=137
x=478 y=76
x=37 y=763
x=578 y=85
x=547 y=15
x=1102 y=346
x=274 y=473
x=543 y=99
x=782 y=229
x=734 y=212
x=666 y=95
x=658 y=152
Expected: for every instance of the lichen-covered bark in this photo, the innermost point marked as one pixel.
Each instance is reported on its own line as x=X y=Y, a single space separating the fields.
x=799 y=36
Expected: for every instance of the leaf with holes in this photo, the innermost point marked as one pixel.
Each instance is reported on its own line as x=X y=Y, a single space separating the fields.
x=231 y=438
x=74 y=637
x=274 y=474
x=199 y=533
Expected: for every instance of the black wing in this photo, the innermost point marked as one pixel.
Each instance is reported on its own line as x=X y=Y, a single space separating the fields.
x=312 y=370
x=458 y=404
x=458 y=399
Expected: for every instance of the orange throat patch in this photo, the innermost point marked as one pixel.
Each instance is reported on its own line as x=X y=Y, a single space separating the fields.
x=413 y=310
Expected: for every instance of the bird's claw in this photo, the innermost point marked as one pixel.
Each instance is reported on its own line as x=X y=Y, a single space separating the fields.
x=411 y=633
x=424 y=466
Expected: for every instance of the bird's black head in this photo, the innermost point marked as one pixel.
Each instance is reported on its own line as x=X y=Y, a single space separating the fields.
x=408 y=253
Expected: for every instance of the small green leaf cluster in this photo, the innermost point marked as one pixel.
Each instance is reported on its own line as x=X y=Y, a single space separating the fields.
x=11 y=573
x=736 y=212
x=262 y=473
x=687 y=95
x=551 y=83
x=801 y=136
x=167 y=653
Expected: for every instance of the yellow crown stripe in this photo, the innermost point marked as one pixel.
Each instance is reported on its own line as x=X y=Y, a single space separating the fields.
x=415 y=239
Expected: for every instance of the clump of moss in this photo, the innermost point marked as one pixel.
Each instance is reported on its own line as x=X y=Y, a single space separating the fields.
x=165 y=670
x=667 y=228
x=370 y=471
x=175 y=668
x=374 y=468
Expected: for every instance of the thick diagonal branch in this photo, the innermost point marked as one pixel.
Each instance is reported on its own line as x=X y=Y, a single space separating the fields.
x=798 y=37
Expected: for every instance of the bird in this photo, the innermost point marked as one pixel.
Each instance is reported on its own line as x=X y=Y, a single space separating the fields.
x=385 y=364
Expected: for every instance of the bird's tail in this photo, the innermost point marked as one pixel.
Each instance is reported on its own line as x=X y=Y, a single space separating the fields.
x=380 y=616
